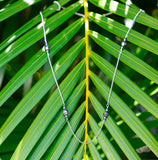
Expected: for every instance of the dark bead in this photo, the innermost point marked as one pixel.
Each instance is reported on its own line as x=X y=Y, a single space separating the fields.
x=46 y=48
x=65 y=112
x=123 y=44
x=105 y=114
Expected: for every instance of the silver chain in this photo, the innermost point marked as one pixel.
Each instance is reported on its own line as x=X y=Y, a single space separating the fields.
x=65 y=112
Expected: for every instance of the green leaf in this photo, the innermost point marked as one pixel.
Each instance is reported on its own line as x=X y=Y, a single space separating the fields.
x=127 y=12
x=115 y=131
x=131 y=4
x=93 y=150
x=144 y=115
x=48 y=111
x=6 y=156
x=121 y=30
x=2 y=73
x=16 y=7
x=38 y=91
x=11 y=143
x=79 y=153
x=65 y=136
x=52 y=132
x=73 y=145
x=39 y=59
x=107 y=147
x=36 y=33
x=126 y=84
x=126 y=114
x=126 y=57
x=151 y=124
x=52 y=8
x=43 y=132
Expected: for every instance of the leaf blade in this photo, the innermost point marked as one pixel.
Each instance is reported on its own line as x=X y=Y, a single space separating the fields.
x=14 y=8
x=126 y=114
x=52 y=8
x=38 y=60
x=126 y=84
x=126 y=57
x=36 y=33
x=127 y=12
x=121 y=30
x=114 y=130
x=38 y=91
x=48 y=111
x=107 y=147
x=93 y=150
x=62 y=142
x=55 y=128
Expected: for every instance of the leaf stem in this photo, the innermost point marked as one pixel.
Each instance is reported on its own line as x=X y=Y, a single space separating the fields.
x=87 y=71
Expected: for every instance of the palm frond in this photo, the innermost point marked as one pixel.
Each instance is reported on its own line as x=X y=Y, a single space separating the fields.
x=83 y=51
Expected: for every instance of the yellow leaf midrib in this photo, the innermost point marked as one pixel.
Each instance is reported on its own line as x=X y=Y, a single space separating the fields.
x=87 y=71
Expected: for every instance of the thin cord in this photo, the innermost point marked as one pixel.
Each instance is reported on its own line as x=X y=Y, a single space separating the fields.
x=59 y=8
x=65 y=112
x=76 y=13
x=118 y=59
x=50 y=63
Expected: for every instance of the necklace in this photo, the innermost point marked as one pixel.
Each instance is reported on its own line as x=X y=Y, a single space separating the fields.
x=65 y=112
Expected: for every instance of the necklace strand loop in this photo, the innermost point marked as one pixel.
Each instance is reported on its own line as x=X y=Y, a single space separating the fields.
x=65 y=112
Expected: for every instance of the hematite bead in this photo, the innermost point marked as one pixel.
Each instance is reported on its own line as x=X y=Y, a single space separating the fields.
x=46 y=48
x=105 y=114
x=123 y=44
x=65 y=112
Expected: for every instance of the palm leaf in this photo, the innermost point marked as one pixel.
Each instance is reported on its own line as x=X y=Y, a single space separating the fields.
x=36 y=33
x=83 y=61
x=16 y=7
x=50 y=135
x=93 y=149
x=126 y=11
x=115 y=130
x=128 y=116
x=38 y=60
x=52 y=8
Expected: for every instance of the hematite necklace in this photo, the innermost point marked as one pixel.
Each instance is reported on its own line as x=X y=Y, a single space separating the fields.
x=65 y=112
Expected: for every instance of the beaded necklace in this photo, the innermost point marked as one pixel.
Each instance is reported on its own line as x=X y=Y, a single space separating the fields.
x=65 y=112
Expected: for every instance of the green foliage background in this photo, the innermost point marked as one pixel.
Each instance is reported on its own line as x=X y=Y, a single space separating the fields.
x=32 y=125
